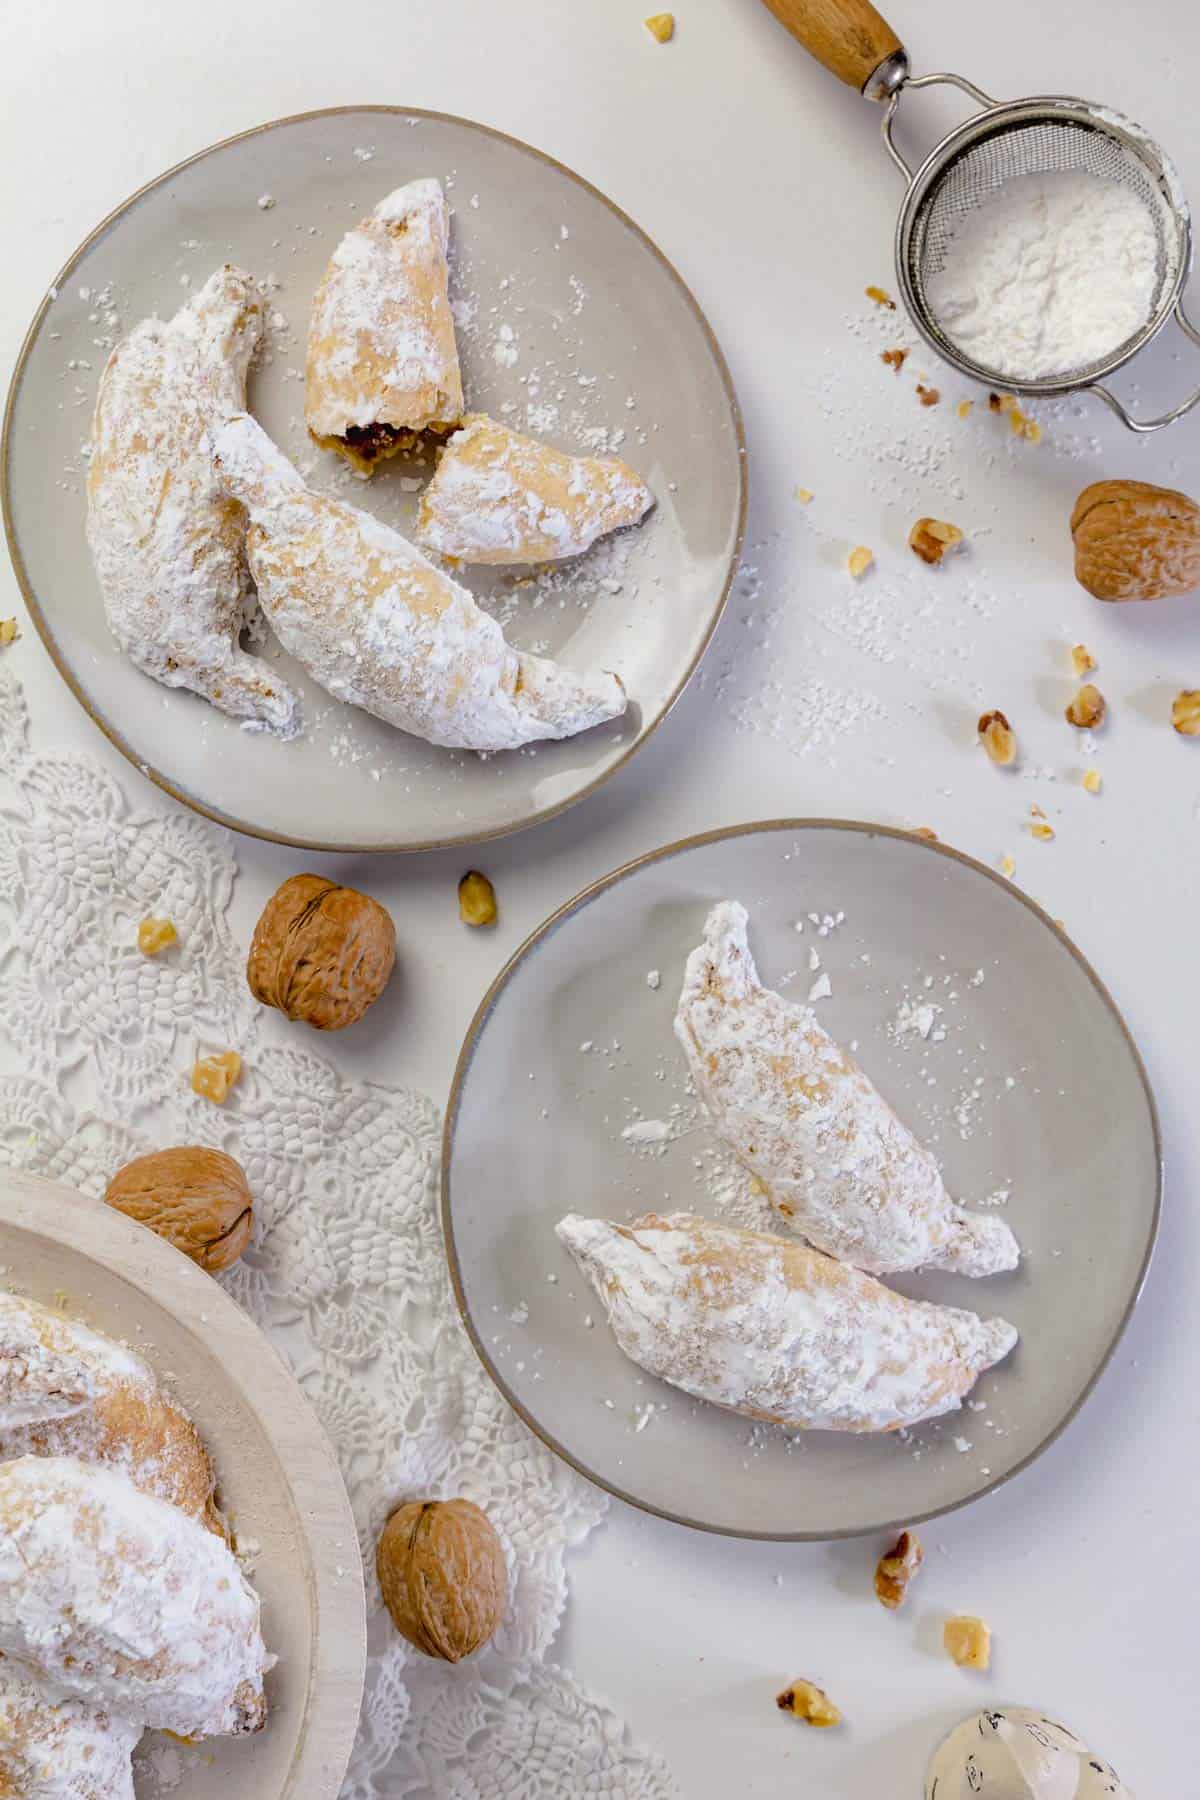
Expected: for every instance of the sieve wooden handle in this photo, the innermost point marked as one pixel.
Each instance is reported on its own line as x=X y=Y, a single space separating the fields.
x=848 y=36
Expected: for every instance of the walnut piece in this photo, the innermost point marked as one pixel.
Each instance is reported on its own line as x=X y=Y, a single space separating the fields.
x=1082 y=660
x=927 y=832
x=881 y=297
x=213 y=1076
x=928 y=396
x=965 y=408
x=1093 y=781
x=661 y=26
x=476 y=899
x=804 y=495
x=931 y=538
x=968 y=1641
x=860 y=560
x=197 y=1199
x=1185 y=712
x=8 y=633
x=443 y=1575
x=804 y=1700
x=321 y=953
x=1134 y=541
x=1041 y=831
x=155 y=935
x=897 y=1568
x=1008 y=867
x=998 y=739
x=895 y=359
x=1087 y=709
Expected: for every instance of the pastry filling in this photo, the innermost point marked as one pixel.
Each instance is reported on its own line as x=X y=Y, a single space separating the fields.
x=371 y=443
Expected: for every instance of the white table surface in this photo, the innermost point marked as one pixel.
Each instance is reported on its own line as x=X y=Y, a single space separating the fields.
x=763 y=180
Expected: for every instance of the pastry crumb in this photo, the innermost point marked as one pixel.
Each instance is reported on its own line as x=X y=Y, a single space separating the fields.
x=154 y=935
x=860 y=560
x=881 y=297
x=1093 y=781
x=804 y=1700
x=968 y=1641
x=661 y=27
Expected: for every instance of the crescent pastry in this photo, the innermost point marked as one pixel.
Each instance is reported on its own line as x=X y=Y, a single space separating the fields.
x=837 y=1164
x=379 y=626
x=766 y=1327
x=167 y=544
x=57 y=1749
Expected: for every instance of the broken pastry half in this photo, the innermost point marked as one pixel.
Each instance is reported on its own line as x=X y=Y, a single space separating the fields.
x=766 y=1327
x=836 y=1163
x=382 y=367
x=379 y=626
x=499 y=497
x=167 y=544
x=118 y=1599
x=68 y=1391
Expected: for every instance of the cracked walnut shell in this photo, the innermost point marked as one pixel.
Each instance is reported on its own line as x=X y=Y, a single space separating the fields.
x=444 y=1578
x=197 y=1199
x=1134 y=541
x=321 y=953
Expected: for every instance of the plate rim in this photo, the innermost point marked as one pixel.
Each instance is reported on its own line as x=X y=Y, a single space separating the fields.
x=41 y=624
x=161 y=1273
x=582 y=899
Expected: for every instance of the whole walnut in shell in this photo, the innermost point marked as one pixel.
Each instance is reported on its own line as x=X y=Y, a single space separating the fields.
x=321 y=953
x=1134 y=541
x=198 y=1199
x=444 y=1579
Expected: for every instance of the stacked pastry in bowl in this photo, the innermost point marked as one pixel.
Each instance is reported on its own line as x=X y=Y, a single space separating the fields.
x=198 y=523
x=797 y=1329
x=122 y=1605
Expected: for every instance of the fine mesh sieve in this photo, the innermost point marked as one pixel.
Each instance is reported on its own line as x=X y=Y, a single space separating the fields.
x=1035 y=136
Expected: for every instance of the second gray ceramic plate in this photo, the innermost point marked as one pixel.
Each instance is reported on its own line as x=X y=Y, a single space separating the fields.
x=971 y=1011
x=570 y=324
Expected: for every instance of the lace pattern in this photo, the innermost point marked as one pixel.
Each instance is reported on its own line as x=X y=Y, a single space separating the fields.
x=347 y=1272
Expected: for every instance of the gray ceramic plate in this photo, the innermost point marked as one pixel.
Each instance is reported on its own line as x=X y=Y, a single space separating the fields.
x=278 y=1481
x=571 y=324
x=570 y=1095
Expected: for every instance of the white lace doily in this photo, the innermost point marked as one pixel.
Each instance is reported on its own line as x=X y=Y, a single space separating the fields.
x=347 y=1273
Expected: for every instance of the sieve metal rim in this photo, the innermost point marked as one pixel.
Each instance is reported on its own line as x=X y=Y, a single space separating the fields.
x=1005 y=116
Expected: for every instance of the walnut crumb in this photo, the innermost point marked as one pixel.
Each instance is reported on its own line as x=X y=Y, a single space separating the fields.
x=1008 y=867
x=476 y=899
x=804 y=1700
x=8 y=633
x=895 y=359
x=964 y=408
x=661 y=27
x=154 y=935
x=927 y=832
x=213 y=1076
x=804 y=495
x=895 y=1570
x=1041 y=831
x=1093 y=781
x=860 y=560
x=881 y=297
x=928 y=396
x=1185 y=712
x=1087 y=709
x=968 y=1641
x=998 y=739
x=1082 y=660
x=931 y=538
x=1001 y=403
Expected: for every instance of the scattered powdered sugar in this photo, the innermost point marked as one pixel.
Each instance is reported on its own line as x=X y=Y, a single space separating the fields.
x=647 y=1131
x=1047 y=274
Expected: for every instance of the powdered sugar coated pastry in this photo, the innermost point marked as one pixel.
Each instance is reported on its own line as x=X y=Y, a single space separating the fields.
x=499 y=497
x=68 y=1391
x=168 y=545
x=797 y=1111
x=1048 y=274
x=382 y=367
x=119 y=1599
x=764 y=1326
x=379 y=626
x=55 y=1748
